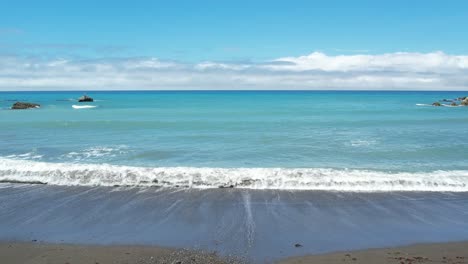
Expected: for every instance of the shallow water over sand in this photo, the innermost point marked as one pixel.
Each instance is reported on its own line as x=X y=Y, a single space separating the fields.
x=259 y=224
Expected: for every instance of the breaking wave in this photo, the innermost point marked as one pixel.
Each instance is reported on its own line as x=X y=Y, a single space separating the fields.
x=83 y=106
x=446 y=105
x=12 y=170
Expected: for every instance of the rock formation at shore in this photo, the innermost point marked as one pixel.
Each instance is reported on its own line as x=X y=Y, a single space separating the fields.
x=464 y=102
x=24 y=105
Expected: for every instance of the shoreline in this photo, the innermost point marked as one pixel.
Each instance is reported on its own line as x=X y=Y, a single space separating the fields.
x=39 y=252
x=36 y=252
x=448 y=252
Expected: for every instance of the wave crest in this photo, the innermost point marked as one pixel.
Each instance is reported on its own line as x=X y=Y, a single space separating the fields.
x=83 y=106
x=12 y=170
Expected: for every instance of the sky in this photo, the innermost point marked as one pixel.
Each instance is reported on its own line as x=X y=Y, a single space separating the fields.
x=166 y=45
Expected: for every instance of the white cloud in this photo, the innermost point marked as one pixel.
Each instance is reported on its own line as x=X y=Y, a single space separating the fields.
x=400 y=61
x=208 y=65
x=402 y=71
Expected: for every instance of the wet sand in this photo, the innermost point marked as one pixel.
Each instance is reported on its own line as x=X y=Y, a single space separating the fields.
x=448 y=253
x=42 y=253
x=262 y=226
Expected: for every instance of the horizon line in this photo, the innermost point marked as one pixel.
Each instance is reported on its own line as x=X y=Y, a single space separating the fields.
x=235 y=90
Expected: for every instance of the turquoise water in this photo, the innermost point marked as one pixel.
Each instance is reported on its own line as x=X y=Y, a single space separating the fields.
x=363 y=141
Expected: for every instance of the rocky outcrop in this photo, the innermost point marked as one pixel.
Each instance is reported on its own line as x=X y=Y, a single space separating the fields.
x=463 y=102
x=24 y=105
x=85 y=98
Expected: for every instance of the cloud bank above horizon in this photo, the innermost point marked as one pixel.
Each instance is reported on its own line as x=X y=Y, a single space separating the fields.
x=316 y=71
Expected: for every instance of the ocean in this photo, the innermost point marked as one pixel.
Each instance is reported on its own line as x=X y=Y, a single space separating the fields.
x=308 y=140
x=248 y=173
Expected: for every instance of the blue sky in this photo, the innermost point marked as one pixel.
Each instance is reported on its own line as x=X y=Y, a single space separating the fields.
x=232 y=30
x=227 y=34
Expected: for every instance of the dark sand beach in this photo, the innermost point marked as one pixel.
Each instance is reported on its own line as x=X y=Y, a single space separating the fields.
x=419 y=253
x=39 y=253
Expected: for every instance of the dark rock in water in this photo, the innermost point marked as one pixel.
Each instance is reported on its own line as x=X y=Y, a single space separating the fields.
x=447 y=100
x=227 y=186
x=453 y=104
x=436 y=104
x=85 y=98
x=24 y=105
x=22 y=182
x=462 y=98
x=297 y=245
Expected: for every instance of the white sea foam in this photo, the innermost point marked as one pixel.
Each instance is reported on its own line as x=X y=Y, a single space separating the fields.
x=446 y=105
x=362 y=143
x=27 y=156
x=251 y=178
x=97 y=152
x=83 y=106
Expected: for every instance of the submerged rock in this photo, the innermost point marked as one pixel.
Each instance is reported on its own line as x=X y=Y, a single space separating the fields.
x=85 y=98
x=436 y=104
x=24 y=105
